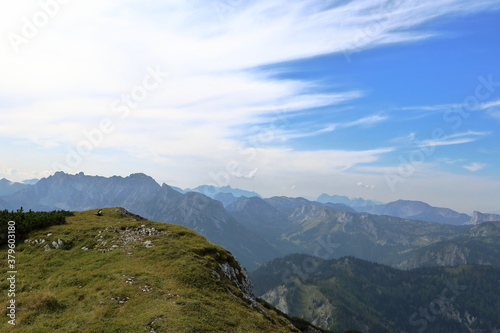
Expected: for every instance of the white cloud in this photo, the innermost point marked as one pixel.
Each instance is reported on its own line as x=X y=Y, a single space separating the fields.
x=473 y=167
x=492 y=108
x=433 y=108
x=217 y=95
x=492 y=104
x=362 y=185
x=367 y=121
x=454 y=139
x=249 y=175
x=410 y=138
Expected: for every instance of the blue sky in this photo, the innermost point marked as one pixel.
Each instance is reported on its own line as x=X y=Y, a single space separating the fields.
x=384 y=100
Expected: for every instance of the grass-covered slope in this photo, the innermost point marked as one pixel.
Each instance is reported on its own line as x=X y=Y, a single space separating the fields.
x=118 y=273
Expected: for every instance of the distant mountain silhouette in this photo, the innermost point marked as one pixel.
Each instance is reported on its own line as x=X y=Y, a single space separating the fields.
x=141 y=194
x=7 y=187
x=211 y=191
x=352 y=202
x=478 y=217
x=257 y=230
x=418 y=210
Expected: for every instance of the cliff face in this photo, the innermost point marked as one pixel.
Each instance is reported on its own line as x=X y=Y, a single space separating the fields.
x=122 y=273
x=478 y=217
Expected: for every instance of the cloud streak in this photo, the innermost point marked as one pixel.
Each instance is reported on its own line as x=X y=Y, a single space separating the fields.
x=454 y=139
x=473 y=167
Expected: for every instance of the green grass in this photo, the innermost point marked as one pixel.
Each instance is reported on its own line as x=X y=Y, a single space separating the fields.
x=169 y=287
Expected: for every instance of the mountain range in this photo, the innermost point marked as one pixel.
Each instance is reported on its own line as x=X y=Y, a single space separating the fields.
x=352 y=202
x=7 y=187
x=410 y=209
x=213 y=191
x=257 y=230
x=141 y=194
x=417 y=210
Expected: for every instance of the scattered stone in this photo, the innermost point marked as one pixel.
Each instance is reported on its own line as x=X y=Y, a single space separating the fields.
x=34 y=242
x=127 y=238
x=130 y=280
x=49 y=234
x=120 y=300
x=146 y=289
x=85 y=248
x=47 y=247
x=55 y=244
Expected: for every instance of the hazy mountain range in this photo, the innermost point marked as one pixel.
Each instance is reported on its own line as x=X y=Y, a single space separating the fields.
x=418 y=210
x=142 y=195
x=212 y=191
x=257 y=230
x=353 y=202
x=7 y=187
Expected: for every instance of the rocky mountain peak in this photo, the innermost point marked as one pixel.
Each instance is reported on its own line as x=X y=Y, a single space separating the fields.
x=478 y=217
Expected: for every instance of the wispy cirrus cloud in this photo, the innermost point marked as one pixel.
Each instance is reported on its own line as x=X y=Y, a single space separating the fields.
x=363 y=122
x=431 y=108
x=410 y=138
x=222 y=80
x=209 y=59
x=454 y=139
x=473 y=167
x=492 y=108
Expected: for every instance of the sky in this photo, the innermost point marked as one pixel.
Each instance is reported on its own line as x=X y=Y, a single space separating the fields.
x=383 y=100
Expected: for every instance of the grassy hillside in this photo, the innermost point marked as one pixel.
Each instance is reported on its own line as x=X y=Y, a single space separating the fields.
x=118 y=273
